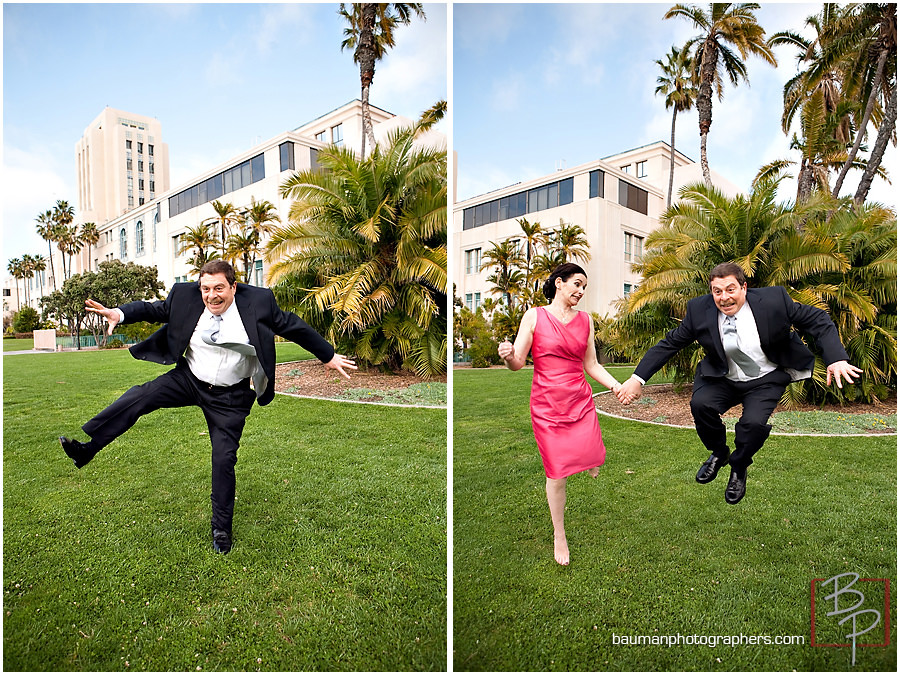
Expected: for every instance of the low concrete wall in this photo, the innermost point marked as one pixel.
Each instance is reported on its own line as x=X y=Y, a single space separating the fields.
x=45 y=339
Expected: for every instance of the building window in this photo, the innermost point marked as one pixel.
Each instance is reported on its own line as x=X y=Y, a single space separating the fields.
x=258 y=273
x=151 y=169
x=626 y=169
x=632 y=197
x=176 y=246
x=473 y=261
x=641 y=170
x=337 y=134
x=128 y=164
x=139 y=238
x=596 y=183
x=123 y=244
x=140 y=165
x=544 y=197
x=128 y=145
x=150 y=150
x=628 y=288
x=152 y=187
x=140 y=183
x=313 y=159
x=321 y=137
x=140 y=148
x=634 y=248
x=286 y=153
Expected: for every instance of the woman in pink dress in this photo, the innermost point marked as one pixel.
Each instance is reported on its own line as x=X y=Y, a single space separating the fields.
x=561 y=341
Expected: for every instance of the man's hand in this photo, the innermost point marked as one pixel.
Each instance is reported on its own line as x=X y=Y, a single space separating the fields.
x=111 y=315
x=339 y=362
x=841 y=368
x=629 y=391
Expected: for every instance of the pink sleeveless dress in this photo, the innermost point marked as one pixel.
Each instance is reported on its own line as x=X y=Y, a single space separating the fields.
x=562 y=410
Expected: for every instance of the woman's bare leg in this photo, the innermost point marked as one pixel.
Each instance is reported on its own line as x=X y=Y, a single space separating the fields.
x=556 y=499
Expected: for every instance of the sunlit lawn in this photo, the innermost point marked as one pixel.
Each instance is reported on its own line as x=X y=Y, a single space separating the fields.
x=655 y=553
x=340 y=533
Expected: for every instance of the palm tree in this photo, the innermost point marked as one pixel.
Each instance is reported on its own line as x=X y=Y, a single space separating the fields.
x=243 y=246
x=202 y=241
x=866 y=34
x=260 y=218
x=504 y=258
x=90 y=235
x=28 y=269
x=38 y=264
x=47 y=229
x=432 y=116
x=370 y=33
x=570 y=241
x=69 y=243
x=725 y=24
x=364 y=255
x=534 y=237
x=227 y=216
x=677 y=86
x=14 y=267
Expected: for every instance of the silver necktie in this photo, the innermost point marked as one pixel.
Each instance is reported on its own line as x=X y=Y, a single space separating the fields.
x=210 y=335
x=730 y=342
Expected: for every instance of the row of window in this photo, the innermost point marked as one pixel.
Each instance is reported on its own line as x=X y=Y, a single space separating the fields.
x=140 y=147
x=473 y=300
x=549 y=196
x=640 y=169
x=337 y=135
x=558 y=193
x=232 y=179
x=138 y=239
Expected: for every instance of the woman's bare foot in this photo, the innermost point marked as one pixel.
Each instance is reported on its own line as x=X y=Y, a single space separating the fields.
x=561 y=549
x=594 y=472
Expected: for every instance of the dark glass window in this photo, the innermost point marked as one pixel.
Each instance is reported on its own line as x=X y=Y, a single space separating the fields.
x=150 y=150
x=286 y=154
x=313 y=159
x=469 y=218
x=566 y=191
x=596 y=179
x=632 y=197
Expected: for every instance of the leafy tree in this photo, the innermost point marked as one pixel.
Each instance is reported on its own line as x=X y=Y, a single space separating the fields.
x=16 y=268
x=26 y=320
x=370 y=33
x=505 y=259
x=676 y=84
x=364 y=256
x=725 y=25
x=65 y=237
x=243 y=246
x=114 y=283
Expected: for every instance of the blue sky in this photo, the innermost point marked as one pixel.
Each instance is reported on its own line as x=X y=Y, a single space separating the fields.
x=536 y=84
x=219 y=77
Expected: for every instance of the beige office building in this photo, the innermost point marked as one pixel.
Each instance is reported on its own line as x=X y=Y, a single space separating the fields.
x=142 y=222
x=617 y=200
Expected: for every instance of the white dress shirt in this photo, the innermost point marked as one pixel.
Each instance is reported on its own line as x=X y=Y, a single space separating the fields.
x=216 y=365
x=748 y=341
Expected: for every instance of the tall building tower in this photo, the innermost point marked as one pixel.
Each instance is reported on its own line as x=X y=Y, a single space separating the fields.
x=120 y=163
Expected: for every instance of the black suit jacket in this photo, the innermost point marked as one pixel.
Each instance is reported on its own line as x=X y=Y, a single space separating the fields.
x=776 y=315
x=263 y=319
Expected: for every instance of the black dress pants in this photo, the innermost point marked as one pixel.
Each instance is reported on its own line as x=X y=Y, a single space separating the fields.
x=712 y=396
x=225 y=410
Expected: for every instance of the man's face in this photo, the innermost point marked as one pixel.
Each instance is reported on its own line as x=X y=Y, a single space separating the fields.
x=217 y=294
x=728 y=294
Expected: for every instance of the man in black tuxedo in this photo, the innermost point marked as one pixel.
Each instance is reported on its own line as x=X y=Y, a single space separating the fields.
x=220 y=336
x=752 y=354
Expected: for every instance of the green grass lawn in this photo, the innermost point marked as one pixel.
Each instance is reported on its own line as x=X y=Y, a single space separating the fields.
x=653 y=552
x=340 y=533
x=17 y=344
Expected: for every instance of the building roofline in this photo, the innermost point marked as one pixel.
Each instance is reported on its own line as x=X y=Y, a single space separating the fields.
x=341 y=107
x=647 y=145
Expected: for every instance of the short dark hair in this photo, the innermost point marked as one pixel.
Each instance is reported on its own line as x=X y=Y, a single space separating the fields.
x=563 y=272
x=219 y=267
x=728 y=269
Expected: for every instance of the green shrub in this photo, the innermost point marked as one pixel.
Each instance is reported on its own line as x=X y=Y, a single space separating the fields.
x=483 y=351
x=26 y=320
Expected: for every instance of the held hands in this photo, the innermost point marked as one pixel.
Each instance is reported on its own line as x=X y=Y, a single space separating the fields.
x=111 y=315
x=841 y=368
x=628 y=391
x=339 y=362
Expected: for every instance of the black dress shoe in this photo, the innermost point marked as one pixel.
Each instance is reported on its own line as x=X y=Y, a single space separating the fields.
x=80 y=453
x=221 y=541
x=710 y=468
x=737 y=486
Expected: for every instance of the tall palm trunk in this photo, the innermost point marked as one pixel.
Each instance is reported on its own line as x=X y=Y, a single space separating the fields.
x=884 y=134
x=870 y=105
x=52 y=273
x=366 y=55
x=704 y=100
x=672 y=158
